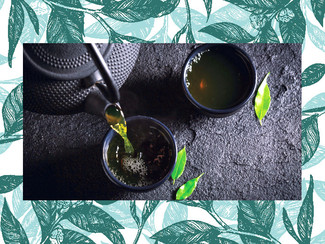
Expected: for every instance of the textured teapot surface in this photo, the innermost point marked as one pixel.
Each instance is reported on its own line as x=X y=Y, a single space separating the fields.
x=47 y=87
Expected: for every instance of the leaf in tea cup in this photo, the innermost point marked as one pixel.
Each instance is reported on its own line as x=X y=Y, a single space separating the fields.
x=180 y=165
x=187 y=189
x=262 y=99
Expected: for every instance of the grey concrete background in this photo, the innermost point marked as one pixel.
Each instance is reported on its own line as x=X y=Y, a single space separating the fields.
x=240 y=158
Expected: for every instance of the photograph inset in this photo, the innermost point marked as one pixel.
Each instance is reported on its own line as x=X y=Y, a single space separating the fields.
x=162 y=121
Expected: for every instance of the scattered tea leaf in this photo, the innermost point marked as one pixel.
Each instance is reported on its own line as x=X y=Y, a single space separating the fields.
x=262 y=100
x=180 y=165
x=187 y=189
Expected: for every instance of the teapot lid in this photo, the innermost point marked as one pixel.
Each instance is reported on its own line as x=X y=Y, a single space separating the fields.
x=68 y=61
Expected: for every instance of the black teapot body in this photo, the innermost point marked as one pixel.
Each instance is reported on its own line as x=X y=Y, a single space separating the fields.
x=63 y=78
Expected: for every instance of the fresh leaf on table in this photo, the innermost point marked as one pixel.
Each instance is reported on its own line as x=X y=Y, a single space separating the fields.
x=309 y=138
x=133 y=11
x=228 y=32
x=9 y=182
x=188 y=231
x=262 y=99
x=12 y=111
x=318 y=7
x=187 y=189
x=180 y=165
x=15 y=27
x=312 y=74
x=12 y=231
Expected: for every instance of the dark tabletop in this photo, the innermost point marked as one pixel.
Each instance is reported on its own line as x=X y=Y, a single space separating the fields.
x=240 y=158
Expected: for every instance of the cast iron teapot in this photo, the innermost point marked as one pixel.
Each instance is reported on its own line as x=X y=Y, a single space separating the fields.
x=72 y=78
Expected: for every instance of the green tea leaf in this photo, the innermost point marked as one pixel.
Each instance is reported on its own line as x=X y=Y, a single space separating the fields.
x=9 y=182
x=149 y=207
x=15 y=27
x=65 y=25
x=45 y=212
x=255 y=217
x=12 y=111
x=138 y=10
x=12 y=231
x=70 y=236
x=293 y=29
x=228 y=32
x=312 y=74
x=32 y=16
x=92 y=219
x=180 y=165
x=133 y=210
x=306 y=215
x=188 y=231
x=187 y=189
x=309 y=138
x=262 y=99
x=288 y=225
x=318 y=7
x=208 y=6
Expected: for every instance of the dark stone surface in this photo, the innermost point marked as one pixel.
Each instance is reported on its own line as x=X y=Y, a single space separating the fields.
x=240 y=158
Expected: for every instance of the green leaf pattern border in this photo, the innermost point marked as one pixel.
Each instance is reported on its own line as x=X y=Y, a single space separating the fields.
x=161 y=221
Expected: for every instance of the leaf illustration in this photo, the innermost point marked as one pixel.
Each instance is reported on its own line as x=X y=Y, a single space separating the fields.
x=188 y=231
x=3 y=59
x=320 y=189
x=10 y=139
x=105 y=202
x=187 y=189
x=32 y=16
x=206 y=205
x=92 y=219
x=114 y=236
x=258 y=5
x=319 y=239
x=100 y=2
x=173 y=213
x=228 y=32
x=316 y=35
x=15 y=27
x=65 y=25
x=208 y=6
x=318 y=7
x=70 y=236
x=306 y=215
x=316 y=104
x=133 y=11
x=133 y=210
x=318 y=157
x=309 y=138
x=178 y=34
x=267 y=35
x=288 y=225
x=45 y=212
x=149 y=207
x=262 y=99
x=180 y=165
x=312 y=74
x=255 y=217
x=9 y=182
x=1 y=3
x=12 y=231
x=12 y=111
x=293 y=29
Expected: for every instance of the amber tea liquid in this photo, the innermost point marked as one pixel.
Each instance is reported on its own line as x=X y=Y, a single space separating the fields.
x=217 y=79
